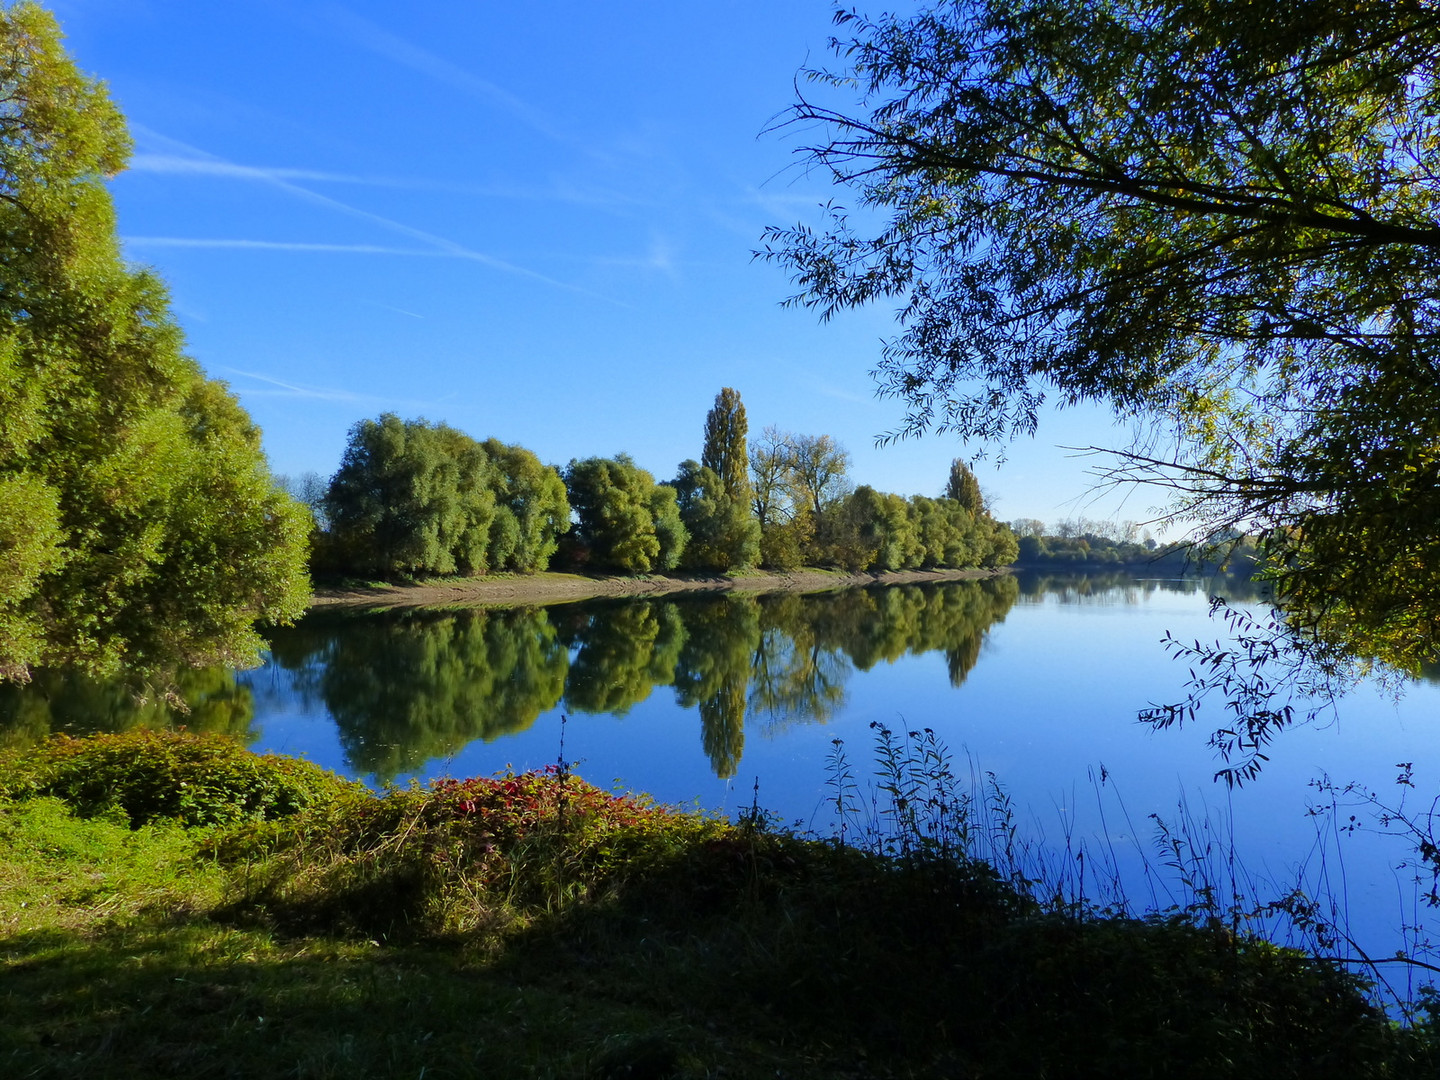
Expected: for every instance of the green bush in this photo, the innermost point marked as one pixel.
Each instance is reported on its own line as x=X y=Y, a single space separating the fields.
x=194 y=779
x=485 y=854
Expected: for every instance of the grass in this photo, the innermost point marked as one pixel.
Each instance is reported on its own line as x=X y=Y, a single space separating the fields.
x=536 y=926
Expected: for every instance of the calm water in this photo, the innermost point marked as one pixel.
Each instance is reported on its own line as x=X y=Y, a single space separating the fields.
x=697 y=699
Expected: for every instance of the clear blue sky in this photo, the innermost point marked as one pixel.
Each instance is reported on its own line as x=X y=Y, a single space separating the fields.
x=532 y=221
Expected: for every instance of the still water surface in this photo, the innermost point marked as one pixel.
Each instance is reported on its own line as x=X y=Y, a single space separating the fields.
x=699 y=699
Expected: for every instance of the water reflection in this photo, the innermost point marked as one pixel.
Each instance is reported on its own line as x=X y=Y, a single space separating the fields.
x=64 y=701
x=1124 y=587
x=411 y=687
x=407 y=688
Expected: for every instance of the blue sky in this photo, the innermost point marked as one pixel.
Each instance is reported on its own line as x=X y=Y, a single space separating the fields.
x=531 y=221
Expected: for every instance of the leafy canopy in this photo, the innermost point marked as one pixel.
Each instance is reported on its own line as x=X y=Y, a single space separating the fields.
x=715 y=497
x=1218 y=218
x=139 y=526
x=624 y=520
x=411 y=497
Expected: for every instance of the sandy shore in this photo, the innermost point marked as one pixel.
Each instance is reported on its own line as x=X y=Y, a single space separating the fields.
x=550 y=588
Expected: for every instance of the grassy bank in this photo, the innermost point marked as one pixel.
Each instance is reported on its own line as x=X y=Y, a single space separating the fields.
x=171 y=905
x=550 y=587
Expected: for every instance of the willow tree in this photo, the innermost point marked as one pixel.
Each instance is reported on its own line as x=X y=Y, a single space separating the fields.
x=624 y=520
x=531 y=511
x=1218 y=218
x=411 y=497
x=139 y=525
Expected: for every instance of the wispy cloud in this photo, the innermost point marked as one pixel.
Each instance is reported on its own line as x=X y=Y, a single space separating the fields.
x=173 y=164
x=281 y=388
x=439 y=244
x=275 y=245
x=550 y=192
x=378 y=40
x=178 y=164
x=397 y=310
x=274 y=387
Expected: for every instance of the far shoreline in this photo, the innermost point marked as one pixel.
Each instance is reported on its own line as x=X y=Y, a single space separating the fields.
x=553 y=588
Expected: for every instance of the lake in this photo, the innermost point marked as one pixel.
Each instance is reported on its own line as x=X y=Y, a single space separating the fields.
x=722 y=702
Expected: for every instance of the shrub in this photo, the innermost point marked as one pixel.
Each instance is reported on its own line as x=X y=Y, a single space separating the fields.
x=148 y=775
x=460 y=855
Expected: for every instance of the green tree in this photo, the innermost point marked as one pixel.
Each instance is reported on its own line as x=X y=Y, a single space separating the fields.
x=138 y=523
x=786 y=544
x=946 y=531
x=770 y=480
x=848 y=533
x=531 y=510
x=723 y=535
x=670 y=530
x=1216 y=213
x=787 y=526
x=625 y=521
x=725 y=451
x=715 y=496
x=964 y=488
x=411 y=497
x=818 y=471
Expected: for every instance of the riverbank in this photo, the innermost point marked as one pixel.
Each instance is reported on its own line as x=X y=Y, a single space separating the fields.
x=556 y=588
x=175 y=906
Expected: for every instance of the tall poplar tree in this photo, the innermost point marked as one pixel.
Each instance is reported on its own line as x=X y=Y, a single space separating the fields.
x=139 y=525
x=725 y=449
x=964 y=488
x=716 y=497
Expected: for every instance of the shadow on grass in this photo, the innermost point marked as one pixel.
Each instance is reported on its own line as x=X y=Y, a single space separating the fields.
x=747 y=957
x=198 y=1000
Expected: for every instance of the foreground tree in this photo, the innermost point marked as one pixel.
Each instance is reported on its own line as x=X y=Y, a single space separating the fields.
x=1220 y=216
x=138 y=523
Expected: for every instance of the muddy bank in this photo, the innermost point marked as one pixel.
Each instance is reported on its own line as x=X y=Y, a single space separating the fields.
x=551 y=588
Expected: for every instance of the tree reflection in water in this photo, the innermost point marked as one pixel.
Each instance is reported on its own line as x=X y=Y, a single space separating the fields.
x=57 y=701
x=410 y=687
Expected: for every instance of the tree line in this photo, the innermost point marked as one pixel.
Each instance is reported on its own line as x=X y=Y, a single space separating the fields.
x=416 y=498
x=1083 y=543
x=140 y=527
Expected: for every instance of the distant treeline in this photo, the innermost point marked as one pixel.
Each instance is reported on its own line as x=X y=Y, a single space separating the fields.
x=1080 y=543
x=413 y=498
